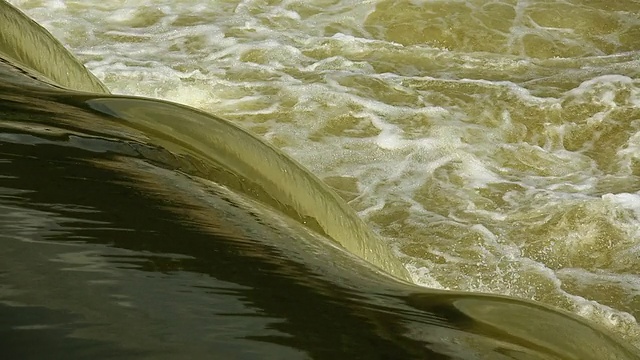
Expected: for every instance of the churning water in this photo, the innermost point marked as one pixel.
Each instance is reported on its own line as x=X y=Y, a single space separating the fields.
x=495 y=145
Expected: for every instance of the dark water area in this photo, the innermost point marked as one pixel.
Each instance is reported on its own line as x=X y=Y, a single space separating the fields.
x=113 y=247
x=146 y=283
x=96 y=266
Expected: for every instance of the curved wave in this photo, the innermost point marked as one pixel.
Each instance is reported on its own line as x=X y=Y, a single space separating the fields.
x=26 y=44
x=233 y=156
x=201 y=145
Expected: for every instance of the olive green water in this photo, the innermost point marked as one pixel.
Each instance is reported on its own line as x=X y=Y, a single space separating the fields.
x=110 y=249
x=494 y=145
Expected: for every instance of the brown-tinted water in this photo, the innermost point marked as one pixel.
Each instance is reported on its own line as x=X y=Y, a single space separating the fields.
x=520 y=196
x=109 y=251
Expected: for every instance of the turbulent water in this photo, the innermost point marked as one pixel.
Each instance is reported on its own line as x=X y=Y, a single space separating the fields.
x=495 y=145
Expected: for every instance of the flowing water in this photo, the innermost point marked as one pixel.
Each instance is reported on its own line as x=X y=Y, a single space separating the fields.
x=495 y=146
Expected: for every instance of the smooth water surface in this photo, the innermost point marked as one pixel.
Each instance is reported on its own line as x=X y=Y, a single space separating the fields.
x=110 y=249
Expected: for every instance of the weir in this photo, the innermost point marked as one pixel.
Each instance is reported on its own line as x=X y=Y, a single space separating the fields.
x=171 y=144
x=232 y=156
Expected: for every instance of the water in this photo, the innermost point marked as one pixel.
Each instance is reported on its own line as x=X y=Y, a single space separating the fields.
x=494 y=145
x=111 y=249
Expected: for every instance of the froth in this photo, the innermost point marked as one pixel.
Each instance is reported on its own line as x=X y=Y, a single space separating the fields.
x=496 y=149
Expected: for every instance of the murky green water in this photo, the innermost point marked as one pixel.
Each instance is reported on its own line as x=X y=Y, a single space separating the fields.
x=494 y=145
x=111 y=249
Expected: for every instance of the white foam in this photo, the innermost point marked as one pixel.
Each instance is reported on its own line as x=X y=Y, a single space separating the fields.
x=626 y=201
x=474 y=140
x=422 y=276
